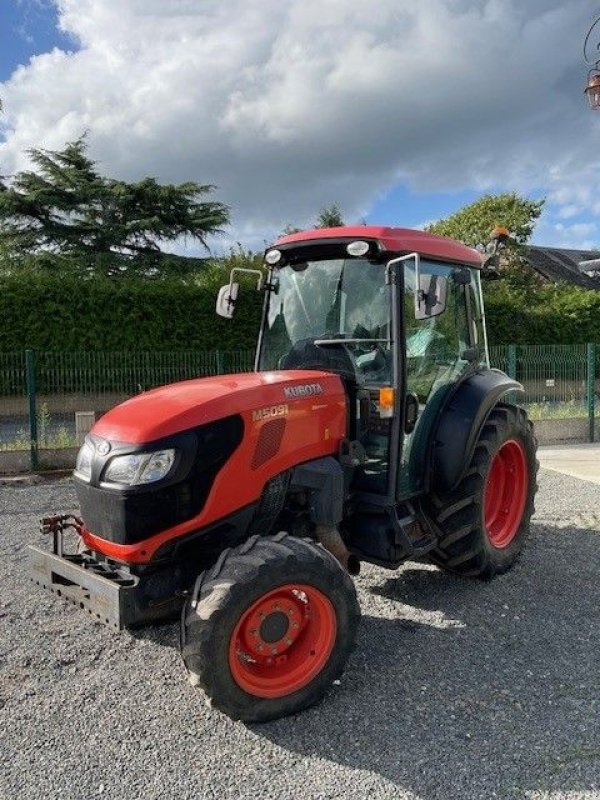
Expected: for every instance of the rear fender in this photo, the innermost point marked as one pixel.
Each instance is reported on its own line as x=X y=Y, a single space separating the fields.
x=461 y=420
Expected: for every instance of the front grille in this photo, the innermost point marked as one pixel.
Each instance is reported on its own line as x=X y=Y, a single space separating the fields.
x=132 y=514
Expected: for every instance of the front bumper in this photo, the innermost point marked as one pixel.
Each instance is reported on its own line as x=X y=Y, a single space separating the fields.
x=89 y=584
x=110 y=592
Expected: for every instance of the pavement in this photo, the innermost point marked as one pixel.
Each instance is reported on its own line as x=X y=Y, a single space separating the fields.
x=458 y=690
x=577 y=460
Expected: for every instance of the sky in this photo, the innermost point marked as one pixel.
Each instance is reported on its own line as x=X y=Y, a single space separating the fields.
x=398 y=112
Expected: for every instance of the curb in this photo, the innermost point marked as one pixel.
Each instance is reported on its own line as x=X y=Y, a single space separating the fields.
x=19 y=480
x=33 y=479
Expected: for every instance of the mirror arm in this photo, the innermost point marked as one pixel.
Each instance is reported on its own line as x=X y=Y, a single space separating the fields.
x=399 y=260
x=259 y=272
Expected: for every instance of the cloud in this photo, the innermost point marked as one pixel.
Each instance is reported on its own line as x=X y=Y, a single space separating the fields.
x=578 y=235
x=288 y=107
x=575 y=235
x=568 y=211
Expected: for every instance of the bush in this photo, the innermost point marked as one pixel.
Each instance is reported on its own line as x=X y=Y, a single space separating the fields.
x=547 y=314
x=63 y=312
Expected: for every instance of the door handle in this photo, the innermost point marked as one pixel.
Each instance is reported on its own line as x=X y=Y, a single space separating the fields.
x=411 y=412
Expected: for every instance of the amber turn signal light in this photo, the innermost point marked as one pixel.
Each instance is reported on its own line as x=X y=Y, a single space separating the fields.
x=386 y=402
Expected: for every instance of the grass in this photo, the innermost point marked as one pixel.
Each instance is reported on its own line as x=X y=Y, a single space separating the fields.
x=569 y=409
x=59 y=439
x=55 y=440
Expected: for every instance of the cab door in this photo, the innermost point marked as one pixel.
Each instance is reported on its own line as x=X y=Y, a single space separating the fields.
x=438 y=350
x=377 y=403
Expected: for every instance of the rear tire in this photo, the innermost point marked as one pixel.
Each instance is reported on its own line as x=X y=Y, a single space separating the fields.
x=269 y=628
x=484 y=521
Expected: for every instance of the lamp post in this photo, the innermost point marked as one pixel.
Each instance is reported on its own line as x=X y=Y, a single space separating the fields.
x=591 y=55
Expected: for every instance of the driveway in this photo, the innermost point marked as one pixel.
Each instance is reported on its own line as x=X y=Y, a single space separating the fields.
x=457 y=689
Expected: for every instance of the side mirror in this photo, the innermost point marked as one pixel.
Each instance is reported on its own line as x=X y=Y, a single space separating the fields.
x=228 y=294
x=226 y=300
x=461 y=277
x=430 y=297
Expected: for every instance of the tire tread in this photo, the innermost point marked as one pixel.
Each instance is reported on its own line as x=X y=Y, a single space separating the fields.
x=223 y=590
x=457 y=515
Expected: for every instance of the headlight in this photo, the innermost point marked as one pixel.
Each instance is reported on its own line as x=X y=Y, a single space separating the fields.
x=83 y=466
x=140 y=468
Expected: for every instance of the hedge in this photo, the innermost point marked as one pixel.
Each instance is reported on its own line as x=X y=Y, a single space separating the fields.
x=547 y=314
x=66 y=313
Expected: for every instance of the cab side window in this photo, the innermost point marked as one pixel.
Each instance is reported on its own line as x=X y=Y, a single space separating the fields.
x=435 y=346
x=435 y=357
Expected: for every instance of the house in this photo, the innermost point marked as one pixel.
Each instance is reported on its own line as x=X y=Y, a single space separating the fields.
x=560 y=265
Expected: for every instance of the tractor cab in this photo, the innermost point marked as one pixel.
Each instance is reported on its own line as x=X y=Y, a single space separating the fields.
x=397 y=314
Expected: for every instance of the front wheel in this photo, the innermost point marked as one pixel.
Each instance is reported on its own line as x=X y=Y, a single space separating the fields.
x=484 y=521
x=269 y=628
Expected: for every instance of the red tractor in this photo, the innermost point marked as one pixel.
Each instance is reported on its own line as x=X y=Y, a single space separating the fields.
x=371 y=430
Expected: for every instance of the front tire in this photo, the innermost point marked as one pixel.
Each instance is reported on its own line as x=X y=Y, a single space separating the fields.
x=269 y=628
x=483 y=522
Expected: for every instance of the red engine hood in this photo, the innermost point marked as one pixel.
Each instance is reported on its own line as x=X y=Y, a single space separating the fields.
x=180 y=406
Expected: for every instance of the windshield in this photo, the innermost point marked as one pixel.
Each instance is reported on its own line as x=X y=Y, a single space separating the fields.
x=321 y=301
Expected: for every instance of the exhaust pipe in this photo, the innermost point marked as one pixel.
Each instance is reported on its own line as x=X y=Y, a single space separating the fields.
x=329 y=537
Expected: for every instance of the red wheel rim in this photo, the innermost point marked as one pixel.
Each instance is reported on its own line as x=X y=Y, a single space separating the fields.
x=282 y=641
x=506 y=493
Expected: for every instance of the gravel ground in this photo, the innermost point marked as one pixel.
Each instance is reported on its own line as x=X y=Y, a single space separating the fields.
x=456 y=690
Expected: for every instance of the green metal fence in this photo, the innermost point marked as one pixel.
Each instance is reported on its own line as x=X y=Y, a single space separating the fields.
x=14 y=409
x=562 y=382
x=553 y=374
x=128 y=373
x=41 y=393
x=559 y=380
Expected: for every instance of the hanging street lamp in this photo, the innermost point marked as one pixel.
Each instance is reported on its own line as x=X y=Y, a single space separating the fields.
x=591 y=55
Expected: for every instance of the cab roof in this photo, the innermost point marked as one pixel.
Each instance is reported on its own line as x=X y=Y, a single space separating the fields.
x=394 y=240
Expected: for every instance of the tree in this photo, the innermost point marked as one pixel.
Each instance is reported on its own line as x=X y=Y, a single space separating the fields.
x=66 y=212
x=289 y=229
x=473 y=224
x=330 y=217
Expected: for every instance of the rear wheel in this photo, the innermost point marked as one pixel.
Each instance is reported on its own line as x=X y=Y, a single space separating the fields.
x=269 y=628
x=483 y=523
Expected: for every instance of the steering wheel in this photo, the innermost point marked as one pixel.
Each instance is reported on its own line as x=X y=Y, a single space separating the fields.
x=376 y=360
x=335 y=356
